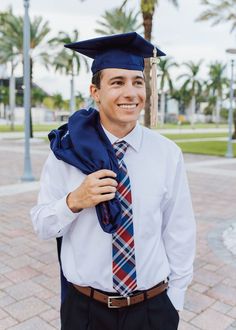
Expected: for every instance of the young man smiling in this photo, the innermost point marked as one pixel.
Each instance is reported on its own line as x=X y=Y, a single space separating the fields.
x=117 y=194
x=120 y=98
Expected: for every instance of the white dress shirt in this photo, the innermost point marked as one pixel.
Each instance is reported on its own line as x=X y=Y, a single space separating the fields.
x=164 y=226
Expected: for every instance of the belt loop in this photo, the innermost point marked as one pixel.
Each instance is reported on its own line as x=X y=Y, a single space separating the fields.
x=145 y=295
x=91 y=292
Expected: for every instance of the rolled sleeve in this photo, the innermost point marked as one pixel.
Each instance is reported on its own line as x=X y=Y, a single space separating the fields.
x=52 y=217
x=63 y=213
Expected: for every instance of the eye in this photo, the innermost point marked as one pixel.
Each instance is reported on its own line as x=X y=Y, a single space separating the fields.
x=139 y=82
x=117 y=83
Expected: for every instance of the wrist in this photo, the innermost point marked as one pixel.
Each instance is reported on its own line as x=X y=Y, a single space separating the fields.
x=72 y=203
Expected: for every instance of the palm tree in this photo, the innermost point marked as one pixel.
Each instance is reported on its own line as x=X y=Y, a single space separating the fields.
x=219 y=11
x=9 y=54
x=183 y=97
x=216 y=86
x=11 y=33
x=223 y=11
x=118 y=20
x=68 y=62
x=58 y=102
x=193 y=84
x=148 y=8
x=165 y=81
x=4 y=98
x=38 y=95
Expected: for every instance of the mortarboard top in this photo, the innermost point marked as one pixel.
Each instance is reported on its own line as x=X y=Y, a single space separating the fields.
x=121 y=51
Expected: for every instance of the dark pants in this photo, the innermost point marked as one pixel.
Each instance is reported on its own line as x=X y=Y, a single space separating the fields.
x=79 y=312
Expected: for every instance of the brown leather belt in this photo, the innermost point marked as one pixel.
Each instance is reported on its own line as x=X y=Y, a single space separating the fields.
x=120 y=301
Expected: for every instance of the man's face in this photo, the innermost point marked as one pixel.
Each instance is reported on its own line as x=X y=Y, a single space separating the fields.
x=120 y=98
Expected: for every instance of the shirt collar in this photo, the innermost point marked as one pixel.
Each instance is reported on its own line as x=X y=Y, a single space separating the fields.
x=134 y=137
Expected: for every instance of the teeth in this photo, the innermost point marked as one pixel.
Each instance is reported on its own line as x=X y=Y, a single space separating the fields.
x=127 y=106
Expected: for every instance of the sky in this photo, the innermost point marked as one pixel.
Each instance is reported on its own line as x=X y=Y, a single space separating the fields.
x=175 y=31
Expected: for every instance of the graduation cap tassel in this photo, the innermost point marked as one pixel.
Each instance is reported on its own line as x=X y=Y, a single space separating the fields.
x=154 y=97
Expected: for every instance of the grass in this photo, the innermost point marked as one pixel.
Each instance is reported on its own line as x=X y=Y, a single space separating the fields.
x=194 y=135
x=197 y=125
x=213 y=148
x=48 y=127
x=36 y=128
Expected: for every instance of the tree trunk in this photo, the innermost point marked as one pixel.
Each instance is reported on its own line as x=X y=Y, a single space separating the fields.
x=217 y=111
x=72 y=95
x=234 y=134
x=193 y=107
x=147 y=8
x=12 y=99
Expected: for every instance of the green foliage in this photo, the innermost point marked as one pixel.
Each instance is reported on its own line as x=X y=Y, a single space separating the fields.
x=214 y=148
x=48 y=103
x=65 y=61
x=208 y=111
x=192 y=83
x=194 y=136
x=219 y=11
x=58 y=102
x=224 y=113
x=164 y=68
x=4 y=95
x=118 y=20
x=217 y=79
x=37 y=96
x=11 y=39
x=148 y=6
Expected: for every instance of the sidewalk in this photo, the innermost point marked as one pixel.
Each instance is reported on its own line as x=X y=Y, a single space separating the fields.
x=29 y=285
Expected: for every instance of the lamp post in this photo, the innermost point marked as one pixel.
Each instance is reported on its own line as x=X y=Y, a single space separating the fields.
x=27 y=175
x=229 y=153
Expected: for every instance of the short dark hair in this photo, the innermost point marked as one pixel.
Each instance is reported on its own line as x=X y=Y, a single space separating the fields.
x=96 y=79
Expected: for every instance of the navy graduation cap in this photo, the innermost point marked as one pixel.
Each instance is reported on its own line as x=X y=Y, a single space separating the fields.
x=121 y=51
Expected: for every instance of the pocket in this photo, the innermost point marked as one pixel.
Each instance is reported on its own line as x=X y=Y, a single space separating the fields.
x=172 y=308
x=75 y=311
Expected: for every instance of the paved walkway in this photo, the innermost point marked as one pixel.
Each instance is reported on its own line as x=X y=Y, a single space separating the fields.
x=29 y=286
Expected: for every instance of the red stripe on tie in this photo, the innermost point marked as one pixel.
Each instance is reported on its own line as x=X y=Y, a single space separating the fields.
x=123 y=240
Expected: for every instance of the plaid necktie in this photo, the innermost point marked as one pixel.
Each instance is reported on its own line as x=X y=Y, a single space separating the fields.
x=124 y=272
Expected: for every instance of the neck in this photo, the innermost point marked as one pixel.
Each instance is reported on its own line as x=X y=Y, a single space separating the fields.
x=120 y=131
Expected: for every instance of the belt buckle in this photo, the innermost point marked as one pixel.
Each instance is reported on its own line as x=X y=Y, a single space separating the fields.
x=109 y=302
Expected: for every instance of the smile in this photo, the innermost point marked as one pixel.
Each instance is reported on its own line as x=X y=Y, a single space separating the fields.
x=128 y=106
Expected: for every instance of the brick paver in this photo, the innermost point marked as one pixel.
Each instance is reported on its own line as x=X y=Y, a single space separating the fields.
x=29 y=283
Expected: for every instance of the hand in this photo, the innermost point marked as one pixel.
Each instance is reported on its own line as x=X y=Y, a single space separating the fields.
x=97 y=187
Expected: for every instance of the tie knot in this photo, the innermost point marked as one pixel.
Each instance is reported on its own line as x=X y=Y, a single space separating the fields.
x=120 y=149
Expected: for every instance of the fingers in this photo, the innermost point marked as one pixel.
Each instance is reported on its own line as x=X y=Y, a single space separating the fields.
x=107 y=182
x=104 y=198
x=97 y=187
x=104 y=173
x=105 y=190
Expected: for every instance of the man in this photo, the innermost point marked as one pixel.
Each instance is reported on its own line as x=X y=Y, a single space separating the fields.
x=117 y=194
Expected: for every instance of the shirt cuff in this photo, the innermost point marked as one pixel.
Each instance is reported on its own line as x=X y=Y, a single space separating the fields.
x=176 y=296
x=64 y=213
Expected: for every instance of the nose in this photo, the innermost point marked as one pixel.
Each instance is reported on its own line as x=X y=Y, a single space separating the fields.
x=129 y=91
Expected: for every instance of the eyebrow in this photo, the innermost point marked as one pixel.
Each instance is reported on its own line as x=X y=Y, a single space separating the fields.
x=123 y=78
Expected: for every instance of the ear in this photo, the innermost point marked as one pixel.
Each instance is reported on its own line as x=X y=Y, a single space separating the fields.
x=94 y=93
